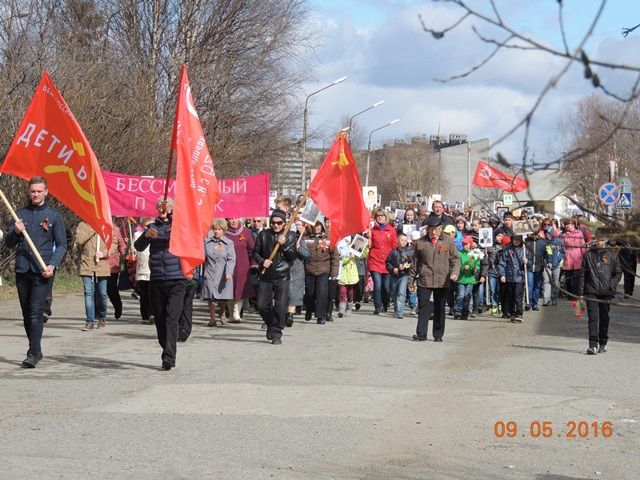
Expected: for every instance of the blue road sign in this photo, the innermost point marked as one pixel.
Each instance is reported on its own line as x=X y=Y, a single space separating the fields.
x=609 y=193
x=626 y=200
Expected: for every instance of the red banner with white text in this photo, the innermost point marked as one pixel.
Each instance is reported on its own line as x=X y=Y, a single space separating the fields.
x=134 y=196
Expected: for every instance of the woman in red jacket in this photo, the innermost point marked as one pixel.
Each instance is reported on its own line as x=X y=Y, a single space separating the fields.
x=382 y=240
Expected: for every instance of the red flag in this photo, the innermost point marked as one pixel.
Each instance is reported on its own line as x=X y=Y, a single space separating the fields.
x=337 y=191
x=196 y=187
x=490 y=177
x=50 y=143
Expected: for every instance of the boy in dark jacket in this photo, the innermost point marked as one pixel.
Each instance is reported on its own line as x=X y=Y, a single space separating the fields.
x=512 y=267
x=551 y=276
x=537 y=245
x=398 y=264
x=600 y=275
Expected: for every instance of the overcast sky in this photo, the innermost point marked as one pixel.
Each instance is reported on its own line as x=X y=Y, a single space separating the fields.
x=380 y=45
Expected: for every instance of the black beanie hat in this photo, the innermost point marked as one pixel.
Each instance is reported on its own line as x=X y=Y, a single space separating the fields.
x=279 y=214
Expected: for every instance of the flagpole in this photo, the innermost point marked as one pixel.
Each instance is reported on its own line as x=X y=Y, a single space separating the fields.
x=169 y=167
x=24 y=232
x=290 y=223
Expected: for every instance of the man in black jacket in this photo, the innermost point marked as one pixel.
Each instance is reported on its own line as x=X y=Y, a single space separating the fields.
x=167 y=282
x=46 y=229
x=601 y=274
x=273 y=285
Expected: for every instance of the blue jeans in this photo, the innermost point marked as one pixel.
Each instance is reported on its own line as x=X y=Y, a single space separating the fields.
x=478 y=296
x=381 y=290
x=399 y=294
x=95 y=289
x=463 y=298
x=494 y=291
x=535 y=287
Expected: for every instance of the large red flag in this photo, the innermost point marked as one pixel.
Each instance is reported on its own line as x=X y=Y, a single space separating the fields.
x=50 y=143
x=337 y=191
x=490 y=177
x=196 y=187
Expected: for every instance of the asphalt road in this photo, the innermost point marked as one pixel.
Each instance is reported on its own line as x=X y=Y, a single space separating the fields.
x=353 y=399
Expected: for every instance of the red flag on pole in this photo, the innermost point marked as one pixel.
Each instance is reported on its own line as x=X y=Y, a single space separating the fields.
x=196 y=187
x=50 y=143
x=337 y=191
x=490 y=177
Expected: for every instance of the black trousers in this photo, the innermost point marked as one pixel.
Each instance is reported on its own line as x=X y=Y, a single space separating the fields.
x=114 y=294
x=598 y=313
x=359 y=291
x=332 y=295
x=513 y=298
x=272 y=299
x=167 y=300
x=316 y=295
x=424 y=310
x=32 y=293
x=629 y=282
x=572 y=282
x=145 y=304
x=186 y=317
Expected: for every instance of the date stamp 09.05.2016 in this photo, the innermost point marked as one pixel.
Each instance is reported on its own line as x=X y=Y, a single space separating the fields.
x=547 y=429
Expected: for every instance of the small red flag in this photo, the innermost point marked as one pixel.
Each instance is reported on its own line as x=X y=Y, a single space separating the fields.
x=50 y=143
x=490 y=177
x=196 y=187
x=337 y=191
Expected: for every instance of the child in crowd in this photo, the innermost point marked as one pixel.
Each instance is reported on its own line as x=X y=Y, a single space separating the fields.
x=398 y=264
x=469 y=267
x=491 y=262
x=512 y=266
x=348 y=278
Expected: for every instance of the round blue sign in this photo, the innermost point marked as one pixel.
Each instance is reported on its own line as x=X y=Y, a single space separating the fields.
x=609 y=193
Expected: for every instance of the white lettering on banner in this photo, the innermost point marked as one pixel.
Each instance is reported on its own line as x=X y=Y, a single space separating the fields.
x=231 y=187
x=65 y=152
x=133 y=184
x=41 y=134
x=82 y=173
x=197 y=150
x=139 y=203
x=119 y=184
x=54 y=140
x=219 y=205
x=26 y=135
x=142 y=185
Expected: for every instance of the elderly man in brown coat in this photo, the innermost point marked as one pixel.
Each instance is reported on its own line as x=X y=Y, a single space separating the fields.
x=436 y=262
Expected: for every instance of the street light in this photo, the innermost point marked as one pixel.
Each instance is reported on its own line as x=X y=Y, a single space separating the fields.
x=324 y=140
x=304 y=130
x=377 y=104
x=366 y=181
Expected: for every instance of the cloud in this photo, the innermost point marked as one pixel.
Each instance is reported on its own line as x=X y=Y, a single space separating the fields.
x=397 y=61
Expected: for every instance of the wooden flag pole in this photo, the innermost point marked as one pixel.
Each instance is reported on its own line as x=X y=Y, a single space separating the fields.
x=526 y=275
x=24 y=233
x=302 y=201
x=169 y=167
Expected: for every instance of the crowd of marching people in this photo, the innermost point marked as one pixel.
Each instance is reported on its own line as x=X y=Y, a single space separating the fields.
x=428 y=264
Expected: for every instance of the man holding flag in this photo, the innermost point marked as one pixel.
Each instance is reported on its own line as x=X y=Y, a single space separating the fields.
x=50 y=142
x=45 y=227
x=177 y=240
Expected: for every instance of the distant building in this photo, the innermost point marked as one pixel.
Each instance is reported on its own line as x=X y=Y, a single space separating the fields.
x=286 y=177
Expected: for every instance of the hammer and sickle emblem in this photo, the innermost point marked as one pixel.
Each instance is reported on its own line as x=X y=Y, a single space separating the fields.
x=485 y=173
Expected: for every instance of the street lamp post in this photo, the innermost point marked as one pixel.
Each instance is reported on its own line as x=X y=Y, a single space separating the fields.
x=377 y=104
x=366 y=181
x=304 y=130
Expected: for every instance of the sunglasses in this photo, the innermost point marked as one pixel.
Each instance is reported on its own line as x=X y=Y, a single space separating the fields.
x=277 y=223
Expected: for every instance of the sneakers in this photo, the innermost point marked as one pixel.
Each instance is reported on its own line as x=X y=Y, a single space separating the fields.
x=88 y=326
x=357 y=306
x=591 y=351
x=494 y=310
x=517 y=319
x=603 y=348
x=32 y=360
x=167 y=365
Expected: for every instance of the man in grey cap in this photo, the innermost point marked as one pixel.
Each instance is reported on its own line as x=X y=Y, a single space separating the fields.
x=436 y=262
